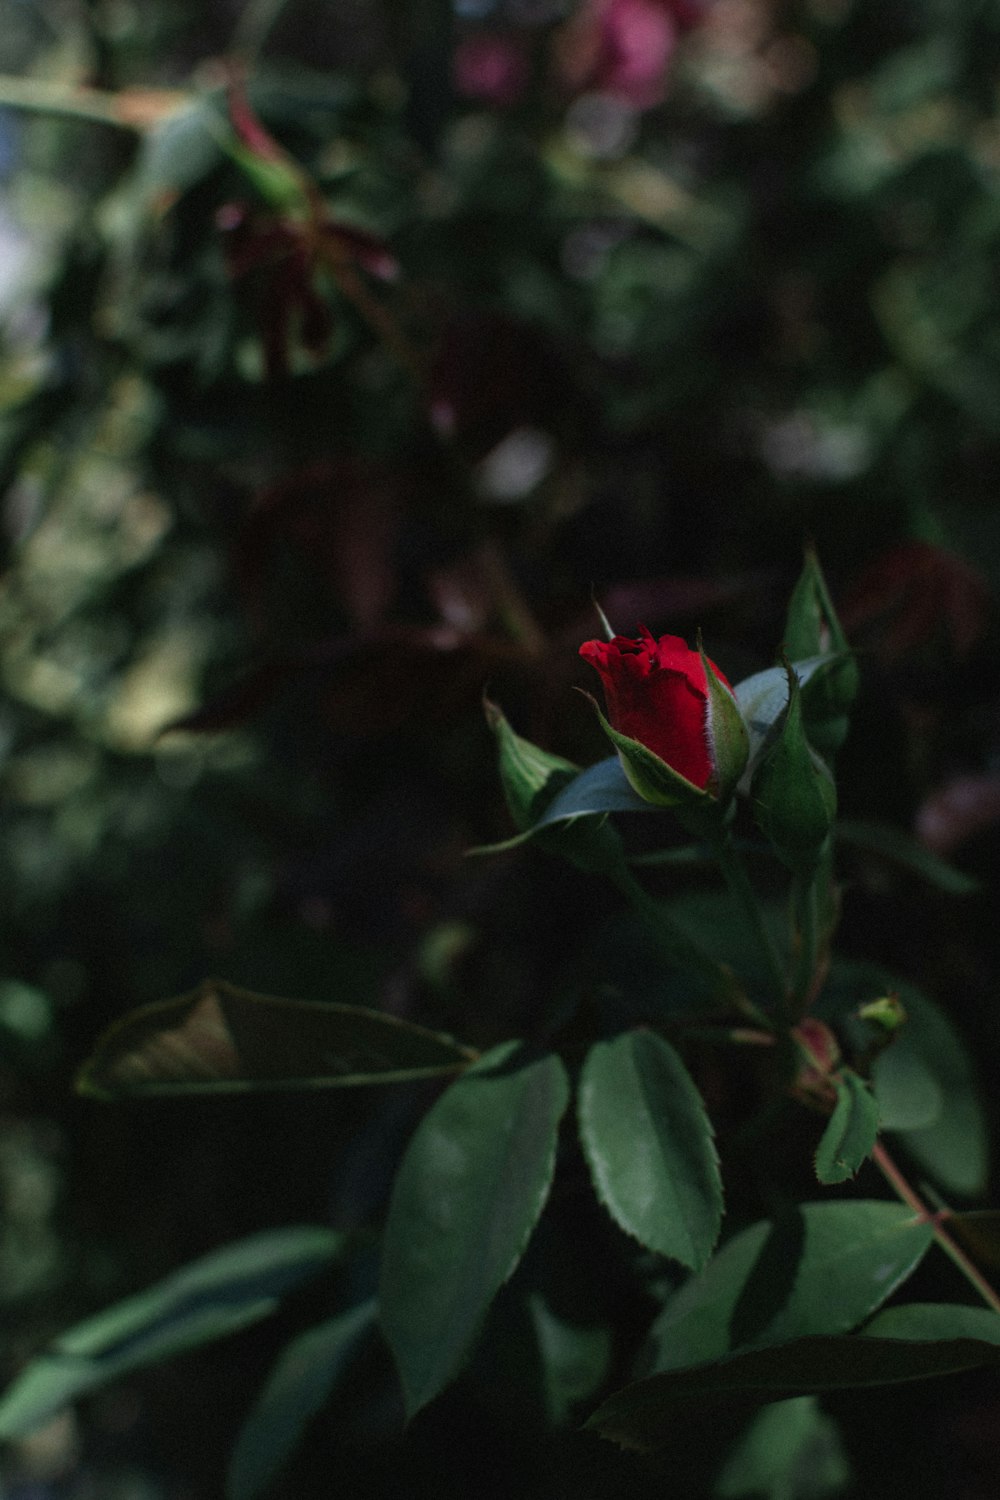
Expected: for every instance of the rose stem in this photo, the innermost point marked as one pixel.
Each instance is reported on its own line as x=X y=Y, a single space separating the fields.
x=804 y=901
x=736 y=878
x=78 y=102
x=684 y=951
x=954 y=1252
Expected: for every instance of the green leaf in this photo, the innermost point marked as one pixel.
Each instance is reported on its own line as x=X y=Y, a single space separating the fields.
x=721 y=926
x=649 y=1146
x=907 y=1094
x=896 y=846
x=181 y=150
x=821 y=1269
x=851 y=1131
x=212 y=1297
x=954 y=1146
x=574 y=1359
x=826 y=697
x=790 y=1451
x=762 y=699
x=465 y=1201
x=298 y=1386
x=948 y=1137
x=936 y=1320
x=532 y=780
x=647 y=1414
x=601 y=789
x=221 y=1039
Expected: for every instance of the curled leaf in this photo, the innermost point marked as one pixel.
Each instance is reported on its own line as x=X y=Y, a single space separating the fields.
x=221 y=1039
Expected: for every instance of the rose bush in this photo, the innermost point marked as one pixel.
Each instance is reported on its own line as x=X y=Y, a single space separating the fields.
x=657 y=693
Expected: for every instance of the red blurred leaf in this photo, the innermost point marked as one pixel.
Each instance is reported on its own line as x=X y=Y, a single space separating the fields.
x=479 y=589
x=341 y=519
x=365 y=249
x=242 y=701
x=958 y=810
x=911 y=591
x=665 y=601
x=622 y=47
x=368 y=683
x=491 y=66
x=413 y=675
x=273 y=261
x=248 y=127
x=492 y=375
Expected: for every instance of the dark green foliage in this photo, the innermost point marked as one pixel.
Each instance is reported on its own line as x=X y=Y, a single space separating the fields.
x=346 y=354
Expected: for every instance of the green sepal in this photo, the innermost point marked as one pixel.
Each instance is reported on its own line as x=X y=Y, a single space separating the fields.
x=851 y=1132
x=887 y=1014
x=651 y=777
x=794 y=796
x=659 y=784
x=762 y=699
x=728 y=735
x=531 y=779
x=812 y=628
x=530 y=776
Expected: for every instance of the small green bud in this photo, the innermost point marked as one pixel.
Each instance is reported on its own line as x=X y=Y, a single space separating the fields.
x=793 y=794
x=531 y=778
x=887 y=1013
x=812 y=628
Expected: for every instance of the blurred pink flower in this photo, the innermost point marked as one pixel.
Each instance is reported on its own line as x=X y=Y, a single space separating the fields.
x=624 y=47
x=491 y=67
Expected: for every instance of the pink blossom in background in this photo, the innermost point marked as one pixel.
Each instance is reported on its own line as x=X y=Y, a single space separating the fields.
x=624 y=47
x=491 y=67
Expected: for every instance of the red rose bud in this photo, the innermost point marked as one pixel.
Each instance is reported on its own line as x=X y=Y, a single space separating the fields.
x=675 y=703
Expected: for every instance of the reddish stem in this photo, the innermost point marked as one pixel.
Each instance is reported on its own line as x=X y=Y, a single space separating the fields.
x=955 y=1253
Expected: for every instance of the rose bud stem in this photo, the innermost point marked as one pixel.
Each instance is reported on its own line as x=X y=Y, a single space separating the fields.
x=681 y=950
x=735 y=875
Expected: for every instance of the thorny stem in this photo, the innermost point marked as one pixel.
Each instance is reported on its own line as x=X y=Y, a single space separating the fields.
x=908 y=1195
x=683 y=950
x=954 y=1252
x=738 y=881
x=43 y=96
x=804 y=902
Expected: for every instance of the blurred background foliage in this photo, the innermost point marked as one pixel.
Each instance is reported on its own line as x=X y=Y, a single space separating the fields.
x=631 y=297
